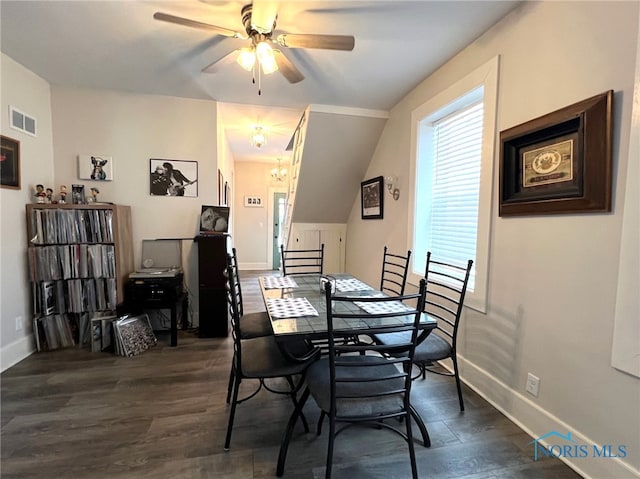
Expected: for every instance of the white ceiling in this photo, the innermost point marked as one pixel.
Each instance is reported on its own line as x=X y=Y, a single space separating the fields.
x=118 y=45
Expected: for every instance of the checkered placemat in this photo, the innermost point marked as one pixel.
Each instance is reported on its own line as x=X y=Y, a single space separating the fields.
x=278 y=282
x=290 y=307
x=381 y=307
x=351 y=285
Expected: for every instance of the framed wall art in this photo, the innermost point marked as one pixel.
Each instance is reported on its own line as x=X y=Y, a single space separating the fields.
x=95 y=167
x=372 y=198
x=173 y=178
x=214 y=219
x=559 y=162
x=10 y=163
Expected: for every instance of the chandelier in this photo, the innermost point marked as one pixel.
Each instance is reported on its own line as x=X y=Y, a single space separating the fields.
x=279 y=174
x=258 y=139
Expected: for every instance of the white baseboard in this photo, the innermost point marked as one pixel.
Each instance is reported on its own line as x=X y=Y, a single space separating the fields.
x=536 y=421
x=15 y=352
x=253 y=266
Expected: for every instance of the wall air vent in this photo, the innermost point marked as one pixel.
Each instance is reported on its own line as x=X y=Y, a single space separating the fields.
x=22 y=122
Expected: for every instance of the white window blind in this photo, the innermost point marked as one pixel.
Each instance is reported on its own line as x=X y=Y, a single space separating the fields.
x=451 y=229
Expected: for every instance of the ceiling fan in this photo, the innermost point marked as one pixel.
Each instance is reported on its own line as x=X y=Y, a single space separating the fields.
x=259 y=20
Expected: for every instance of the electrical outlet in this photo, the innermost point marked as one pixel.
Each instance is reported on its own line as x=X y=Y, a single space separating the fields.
x=18 y=323
x=533 y=384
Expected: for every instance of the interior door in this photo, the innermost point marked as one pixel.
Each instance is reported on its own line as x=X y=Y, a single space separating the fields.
x=279 y=204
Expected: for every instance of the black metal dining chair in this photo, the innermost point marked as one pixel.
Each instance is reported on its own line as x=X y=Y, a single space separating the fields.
x=252 y=325
x=446 y=290
x=260 y=359
x=395 y=267
x=352 y=388
x=302 y=261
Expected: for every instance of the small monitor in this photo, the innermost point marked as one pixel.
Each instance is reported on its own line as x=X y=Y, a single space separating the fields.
x=214 y=219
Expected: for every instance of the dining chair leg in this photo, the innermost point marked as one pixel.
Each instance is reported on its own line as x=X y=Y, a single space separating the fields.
x=332 y=437
x=232 y=375
x=286 y=438
x=458 y=385
x=412 y=451
x=426 y=440
x=320 y=421
x=232 y=412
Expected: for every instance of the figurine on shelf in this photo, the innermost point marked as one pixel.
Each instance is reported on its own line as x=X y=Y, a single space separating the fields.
x=63 y=194
x=40 y=194
x=94 y=194
x=49 y=195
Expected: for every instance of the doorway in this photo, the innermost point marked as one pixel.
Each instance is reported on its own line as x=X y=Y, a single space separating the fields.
x=279 y=205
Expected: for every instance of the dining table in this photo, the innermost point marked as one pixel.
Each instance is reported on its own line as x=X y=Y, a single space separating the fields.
x=297 y=307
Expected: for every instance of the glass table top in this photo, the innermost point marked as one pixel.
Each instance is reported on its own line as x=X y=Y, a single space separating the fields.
x=309 y=287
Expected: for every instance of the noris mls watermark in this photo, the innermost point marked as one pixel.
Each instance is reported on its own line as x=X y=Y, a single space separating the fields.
x=560 y=445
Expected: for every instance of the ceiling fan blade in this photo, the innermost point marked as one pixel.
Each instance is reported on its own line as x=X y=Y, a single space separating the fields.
x=165 y=17
x=328 y=42
x=263 y=15
x=288 y=69
x=228 y=59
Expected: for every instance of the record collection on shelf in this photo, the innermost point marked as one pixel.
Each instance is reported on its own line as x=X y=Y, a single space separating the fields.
x=79 y=257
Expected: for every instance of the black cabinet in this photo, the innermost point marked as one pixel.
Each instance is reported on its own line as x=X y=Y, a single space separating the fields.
x=212 y=251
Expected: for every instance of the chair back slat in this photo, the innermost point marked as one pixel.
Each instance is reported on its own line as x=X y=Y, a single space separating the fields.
x=234 y=308
x=446 y=290
x=344 y=364
x=302 y=261
x=394 y=272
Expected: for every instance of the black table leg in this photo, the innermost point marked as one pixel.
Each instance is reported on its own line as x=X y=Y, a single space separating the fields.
x=174 y=325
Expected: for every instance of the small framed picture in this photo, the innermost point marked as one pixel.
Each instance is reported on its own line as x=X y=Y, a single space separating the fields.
x=214 y=219
x=10 y=161
x=372 y=199
x=95 y=167
x=77 y=195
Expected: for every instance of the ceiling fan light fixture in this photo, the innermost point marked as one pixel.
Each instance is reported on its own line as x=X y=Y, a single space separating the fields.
x=246 y=58
x=267 y=60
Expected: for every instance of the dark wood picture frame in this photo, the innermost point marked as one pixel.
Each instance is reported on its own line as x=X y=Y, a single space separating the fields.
x=560 y=162
x=372 y=198
x=10 y=159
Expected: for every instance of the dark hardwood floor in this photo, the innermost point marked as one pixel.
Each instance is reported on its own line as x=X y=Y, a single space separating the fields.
x=76 y=414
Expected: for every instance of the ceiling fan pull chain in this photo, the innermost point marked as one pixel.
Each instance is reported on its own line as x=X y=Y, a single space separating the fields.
x=259 y=80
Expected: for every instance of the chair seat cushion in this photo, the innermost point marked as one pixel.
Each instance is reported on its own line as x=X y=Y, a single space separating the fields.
x=255 y=325
x=433 y=348
x=263 y=358
x=361 y=405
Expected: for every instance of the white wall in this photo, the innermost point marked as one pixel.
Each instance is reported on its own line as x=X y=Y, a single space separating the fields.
x=552 y=283
x=133 y=128
x=29 y=93
x=251 y=228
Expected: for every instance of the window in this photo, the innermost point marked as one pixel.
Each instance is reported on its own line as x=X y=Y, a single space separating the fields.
x=453 y=140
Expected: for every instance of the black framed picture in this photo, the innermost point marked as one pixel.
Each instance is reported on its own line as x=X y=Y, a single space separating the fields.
x=173 y=178
x=78 y=195
x=372 y=199
x=10 y=161
x=214 y=219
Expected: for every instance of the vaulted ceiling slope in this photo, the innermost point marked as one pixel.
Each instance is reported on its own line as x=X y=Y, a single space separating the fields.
x=337 y=152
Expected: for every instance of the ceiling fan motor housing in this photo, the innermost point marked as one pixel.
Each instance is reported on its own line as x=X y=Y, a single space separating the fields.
x=252 y=30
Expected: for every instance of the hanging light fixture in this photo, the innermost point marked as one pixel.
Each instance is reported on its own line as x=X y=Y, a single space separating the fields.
x=258 y=139
x=279 y=174
x=263 y=53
